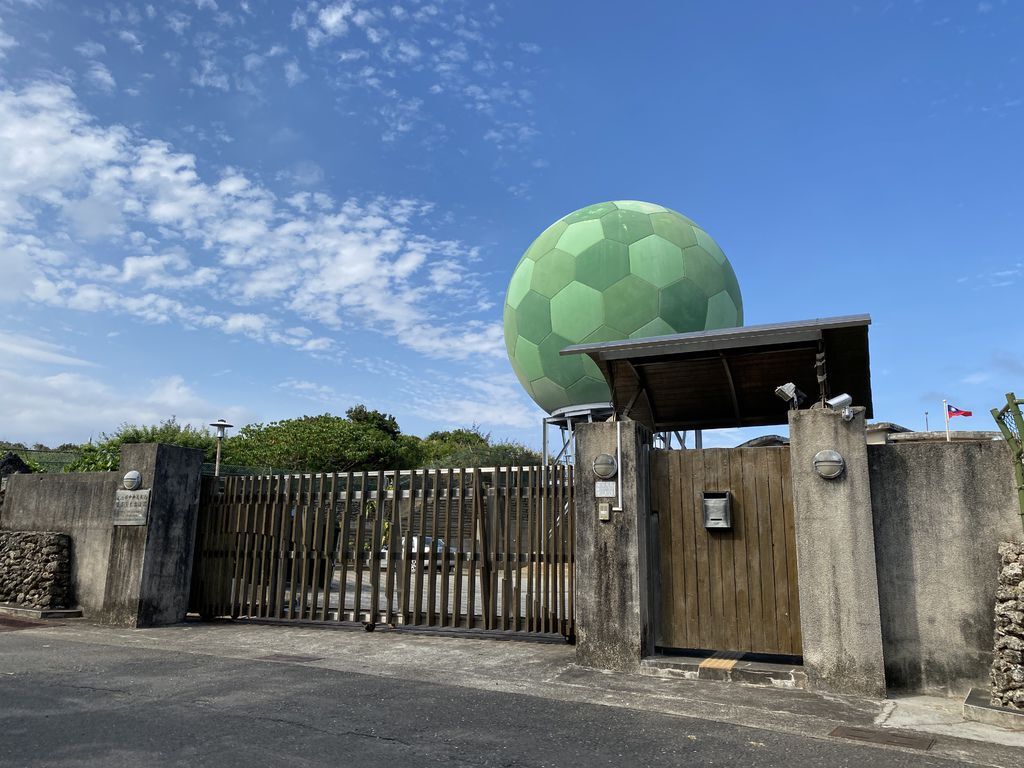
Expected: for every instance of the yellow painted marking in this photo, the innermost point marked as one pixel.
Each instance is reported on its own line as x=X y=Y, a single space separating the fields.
x=721 y=660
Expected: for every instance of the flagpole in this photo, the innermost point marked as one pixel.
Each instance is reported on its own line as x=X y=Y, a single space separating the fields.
x=945 y=411
x=926 y=421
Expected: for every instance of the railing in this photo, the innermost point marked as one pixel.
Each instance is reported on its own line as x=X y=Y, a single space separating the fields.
x=458 y=548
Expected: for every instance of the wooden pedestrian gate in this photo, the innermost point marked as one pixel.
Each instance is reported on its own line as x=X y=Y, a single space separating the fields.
x=453 y=548
x=729 y=589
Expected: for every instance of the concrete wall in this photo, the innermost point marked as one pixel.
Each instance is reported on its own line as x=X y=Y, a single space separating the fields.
x=613 y=617
x=126 y=575
x=78 y=504
x=839 y=613
x=940 y=511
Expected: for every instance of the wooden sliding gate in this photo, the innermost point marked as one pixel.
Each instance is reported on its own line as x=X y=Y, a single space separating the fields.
x=732 y=589
x=458 y=548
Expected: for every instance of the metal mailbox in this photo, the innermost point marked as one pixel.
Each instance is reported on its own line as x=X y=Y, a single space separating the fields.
x=717 y=509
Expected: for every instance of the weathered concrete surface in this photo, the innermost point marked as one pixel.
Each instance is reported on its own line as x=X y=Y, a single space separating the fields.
x=613 y=619
x=151 y=565
x=79 y=504
x=125 y=575
x=940 y=511
x=839 y=614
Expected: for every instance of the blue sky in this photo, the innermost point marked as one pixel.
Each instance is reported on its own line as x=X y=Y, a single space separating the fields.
x=259 y=210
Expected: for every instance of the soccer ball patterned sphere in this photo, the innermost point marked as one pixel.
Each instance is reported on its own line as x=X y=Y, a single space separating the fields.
x=612 y=271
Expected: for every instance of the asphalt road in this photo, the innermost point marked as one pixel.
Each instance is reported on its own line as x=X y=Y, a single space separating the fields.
x=66 y=703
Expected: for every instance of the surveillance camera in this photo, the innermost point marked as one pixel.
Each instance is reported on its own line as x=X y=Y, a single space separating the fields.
x=839 y=401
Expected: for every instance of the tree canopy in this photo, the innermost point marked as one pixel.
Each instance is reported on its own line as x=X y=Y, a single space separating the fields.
x=362 y=439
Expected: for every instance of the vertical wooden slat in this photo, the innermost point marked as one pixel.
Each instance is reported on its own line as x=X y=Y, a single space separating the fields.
x=726 y=540
x=764 y=524
x=506 y=550
x=373 y=553
x=394 y=531
x=420 y=553
x=344 y=550
x=782 y=613
x=304 y=546
x=752 y=547
x=560 y=550
x=405 y=564
x=330 y=543
x=432 y=564
x=447 y=566
x=571 y=632
x=686 y=611
x=739 y=554
x=795 y=638
x=461 y=546
x=490 y=540
x=475 y=514
x=359 y=563
x=517 y=532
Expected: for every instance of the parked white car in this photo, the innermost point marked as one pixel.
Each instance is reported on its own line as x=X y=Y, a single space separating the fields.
x=418 y=555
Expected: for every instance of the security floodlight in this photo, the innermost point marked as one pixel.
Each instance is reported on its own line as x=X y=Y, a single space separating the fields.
x=839 y=401
x=790 y=394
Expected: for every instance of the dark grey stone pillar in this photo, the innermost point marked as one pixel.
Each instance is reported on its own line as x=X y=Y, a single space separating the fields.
x=613 y=618
x=151 y=565
x=835 y=548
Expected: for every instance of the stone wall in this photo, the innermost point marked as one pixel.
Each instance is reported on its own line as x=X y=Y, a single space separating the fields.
x=35 y=569
x=1008 y=664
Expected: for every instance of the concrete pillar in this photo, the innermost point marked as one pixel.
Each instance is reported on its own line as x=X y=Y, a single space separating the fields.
x=613 y=616
x=150 y=565
x=835 y=548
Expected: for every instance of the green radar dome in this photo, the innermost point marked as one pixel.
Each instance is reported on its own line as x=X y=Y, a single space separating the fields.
x=607 y=272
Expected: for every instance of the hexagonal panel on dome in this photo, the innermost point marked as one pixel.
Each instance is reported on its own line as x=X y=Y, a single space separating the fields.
x=588 y=390
x=699 y=266
x=674 y=228
x=576 y=310
x=580 y=236
x=684 y=305
x=519 y=284
x=533 y=317
x=630 y=303
x=656 y=260
x=595 y=211
x=639 y=206
x=546 y=241
x=722 y=312
x=552 y=272
x=603 y=264
x=626 y=226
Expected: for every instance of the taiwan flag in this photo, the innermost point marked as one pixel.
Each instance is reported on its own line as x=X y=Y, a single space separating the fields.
x=952 y=410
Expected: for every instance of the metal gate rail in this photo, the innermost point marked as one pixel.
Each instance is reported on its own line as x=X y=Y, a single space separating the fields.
x=456 y=548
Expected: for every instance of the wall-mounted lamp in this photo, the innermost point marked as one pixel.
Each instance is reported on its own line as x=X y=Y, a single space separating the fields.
x=605 y=466
x=829 y=464
x=132 y=480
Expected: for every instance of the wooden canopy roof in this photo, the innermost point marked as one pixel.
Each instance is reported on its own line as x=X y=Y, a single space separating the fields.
x=727 y=377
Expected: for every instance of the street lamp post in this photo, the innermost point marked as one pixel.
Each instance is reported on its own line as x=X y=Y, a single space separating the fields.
x=222 y=427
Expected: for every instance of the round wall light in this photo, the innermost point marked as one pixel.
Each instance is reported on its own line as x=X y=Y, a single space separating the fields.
x=829 y=464
x=132 y=480
x=605 y=466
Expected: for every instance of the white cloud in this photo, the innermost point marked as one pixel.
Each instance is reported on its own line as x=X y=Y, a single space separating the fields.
x=91 y=49
x=100 y=78
x=293 y=74
x=131 y=40
x=72 y=407
x=210 y=76
x=360 y=263
x=34 y=350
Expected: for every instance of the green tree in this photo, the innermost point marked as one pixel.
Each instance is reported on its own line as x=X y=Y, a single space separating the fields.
x=324 y=443
x=473 y=448
x=105 y=454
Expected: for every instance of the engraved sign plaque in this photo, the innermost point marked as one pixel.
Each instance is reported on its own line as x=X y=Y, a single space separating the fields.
x=131 y=507
x=605 y=489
